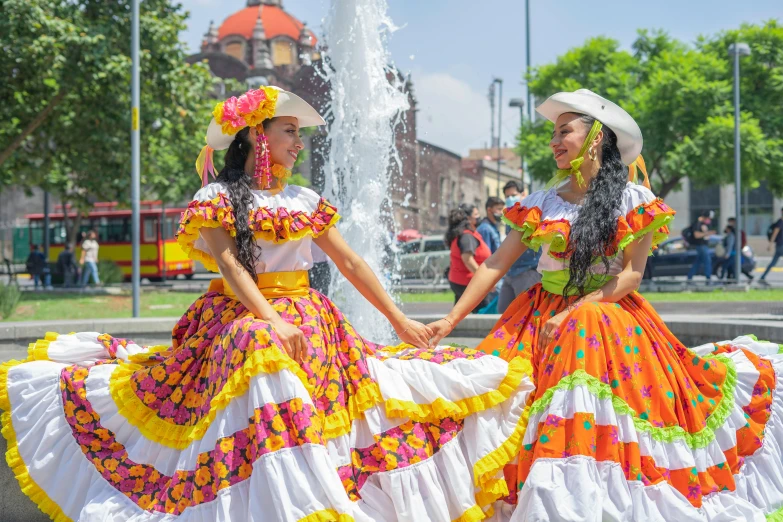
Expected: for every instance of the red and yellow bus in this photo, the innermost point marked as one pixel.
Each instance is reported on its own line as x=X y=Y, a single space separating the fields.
x=161 y=256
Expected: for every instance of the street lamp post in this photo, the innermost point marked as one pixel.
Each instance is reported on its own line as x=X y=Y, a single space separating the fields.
x=520 y=103
x=135 y=159
x=499 y=81
x=736 y=50
x=527 y=72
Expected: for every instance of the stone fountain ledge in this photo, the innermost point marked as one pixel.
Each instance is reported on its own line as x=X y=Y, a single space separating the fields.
x=691 y=329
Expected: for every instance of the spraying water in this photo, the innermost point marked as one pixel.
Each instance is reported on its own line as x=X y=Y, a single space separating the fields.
x=367 y=102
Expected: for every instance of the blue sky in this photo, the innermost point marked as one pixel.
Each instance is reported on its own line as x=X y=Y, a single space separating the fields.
x=453 y=48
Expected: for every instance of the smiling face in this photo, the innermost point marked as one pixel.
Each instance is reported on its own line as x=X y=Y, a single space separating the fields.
x=284 y=142
x=568 y=137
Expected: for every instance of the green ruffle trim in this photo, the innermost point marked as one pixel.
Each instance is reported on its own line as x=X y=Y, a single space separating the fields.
x=776 y=516
x=601 y=390
x=658 y=221
x=526 y=229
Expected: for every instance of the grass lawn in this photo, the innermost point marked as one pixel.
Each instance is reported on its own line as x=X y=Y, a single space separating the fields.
x=45 y=307
x=717 y=295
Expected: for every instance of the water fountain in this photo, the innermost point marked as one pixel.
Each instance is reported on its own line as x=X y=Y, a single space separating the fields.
x=366 y=104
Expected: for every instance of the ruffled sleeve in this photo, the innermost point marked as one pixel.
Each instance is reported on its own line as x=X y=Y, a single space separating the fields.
x=525 y=216
x=644 y=213
x=210 y=208
x=290 y=215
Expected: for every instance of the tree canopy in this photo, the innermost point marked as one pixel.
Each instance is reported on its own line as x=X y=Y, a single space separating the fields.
x=65 y=117
x=682 y=97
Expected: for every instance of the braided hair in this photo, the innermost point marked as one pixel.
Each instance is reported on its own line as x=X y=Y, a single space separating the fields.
x=240 y=193
x=593 y=231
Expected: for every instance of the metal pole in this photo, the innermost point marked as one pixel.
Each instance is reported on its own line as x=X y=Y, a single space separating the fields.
x=492 y=114
x=500 y=122
x=527 y=58
x=135 y=159
x=162 y=239
x=737 y=174
x=527 y=85
x=47 y=279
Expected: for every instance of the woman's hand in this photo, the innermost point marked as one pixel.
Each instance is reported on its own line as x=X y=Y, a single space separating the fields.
x=547 y=332
x=292 y=338
x=440 y=329
x=414 y=332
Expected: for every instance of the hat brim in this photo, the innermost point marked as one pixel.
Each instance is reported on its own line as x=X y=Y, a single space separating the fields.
x=584 y=101
x=288 y=104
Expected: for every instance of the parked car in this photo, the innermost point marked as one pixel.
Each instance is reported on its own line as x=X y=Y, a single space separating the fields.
x=425 y=258
x=674 y=258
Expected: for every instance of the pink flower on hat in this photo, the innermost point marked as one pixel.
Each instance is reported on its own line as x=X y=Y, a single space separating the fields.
x=228 y=118
x=250 y=101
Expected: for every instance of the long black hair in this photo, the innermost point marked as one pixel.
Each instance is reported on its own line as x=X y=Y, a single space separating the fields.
x=459 y=221
x=593 y=231
x=240 y=192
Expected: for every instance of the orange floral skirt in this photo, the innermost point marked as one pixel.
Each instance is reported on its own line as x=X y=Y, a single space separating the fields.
x=623 y=410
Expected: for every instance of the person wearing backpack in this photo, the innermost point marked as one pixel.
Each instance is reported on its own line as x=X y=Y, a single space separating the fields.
x=700 y=231
x=775 y=236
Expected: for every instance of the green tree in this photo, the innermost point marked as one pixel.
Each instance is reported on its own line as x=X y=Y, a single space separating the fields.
x=681 y=97
x=80 y=149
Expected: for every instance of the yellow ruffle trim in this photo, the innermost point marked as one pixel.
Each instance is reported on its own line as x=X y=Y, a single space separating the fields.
x=14 y=459
x=327 y=515
x=471 y=515
x=441 y=408
x=146 y=420
x=5 y=403
x=39 y=350
x=272 y=360
x=486 y=470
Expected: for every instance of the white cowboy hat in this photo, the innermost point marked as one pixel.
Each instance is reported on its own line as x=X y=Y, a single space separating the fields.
x=585 y=101
x=288 y=104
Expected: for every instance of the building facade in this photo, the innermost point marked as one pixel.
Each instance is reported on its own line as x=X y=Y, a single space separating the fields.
x=264 y=44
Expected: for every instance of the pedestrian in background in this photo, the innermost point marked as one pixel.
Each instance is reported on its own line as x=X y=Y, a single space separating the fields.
x=89 y=259
x=35 y=265
x=489 y=228
x=776 y=240
x=523 y=273
x=701 y=232
x=468 y=250
x=66 y=265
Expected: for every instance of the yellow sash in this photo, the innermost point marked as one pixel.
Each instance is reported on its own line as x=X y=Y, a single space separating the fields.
x=271 y=284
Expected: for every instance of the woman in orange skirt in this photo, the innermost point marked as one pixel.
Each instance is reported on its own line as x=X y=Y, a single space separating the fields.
x=625 y=422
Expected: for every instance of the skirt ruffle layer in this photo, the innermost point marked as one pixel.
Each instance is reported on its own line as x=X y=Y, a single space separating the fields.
x=224 y=426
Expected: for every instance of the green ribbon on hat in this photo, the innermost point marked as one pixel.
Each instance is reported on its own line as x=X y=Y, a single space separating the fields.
x=563 y=174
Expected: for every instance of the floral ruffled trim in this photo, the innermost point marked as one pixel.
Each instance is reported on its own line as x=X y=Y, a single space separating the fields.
x=275 y=226
x=523 y=219
x=14 y=459
x=272 y=360
x=646 y=218
x=601 y=390
x=146 y=420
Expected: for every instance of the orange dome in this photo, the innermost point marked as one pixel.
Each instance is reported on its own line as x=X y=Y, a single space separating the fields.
x=276 y=23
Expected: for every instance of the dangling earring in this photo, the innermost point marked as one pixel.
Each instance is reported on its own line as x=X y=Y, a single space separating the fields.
x=592 y=154
x=263 y=171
